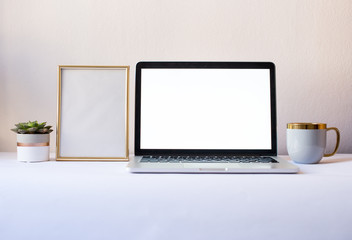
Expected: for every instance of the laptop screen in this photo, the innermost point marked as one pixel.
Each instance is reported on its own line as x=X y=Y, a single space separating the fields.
x=210 y=108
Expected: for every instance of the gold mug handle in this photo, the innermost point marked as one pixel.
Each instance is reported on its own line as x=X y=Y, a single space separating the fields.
x=337 y=141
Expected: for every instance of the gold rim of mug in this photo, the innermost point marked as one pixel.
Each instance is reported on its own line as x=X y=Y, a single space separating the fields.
x=306 y=126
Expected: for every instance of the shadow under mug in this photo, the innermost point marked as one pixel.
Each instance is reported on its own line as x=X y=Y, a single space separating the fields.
x=306 y=142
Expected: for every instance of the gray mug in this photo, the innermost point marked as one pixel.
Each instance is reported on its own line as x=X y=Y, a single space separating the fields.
x=306 y=142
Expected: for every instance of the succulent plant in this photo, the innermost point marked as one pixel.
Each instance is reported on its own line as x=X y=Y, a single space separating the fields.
x=32 y=128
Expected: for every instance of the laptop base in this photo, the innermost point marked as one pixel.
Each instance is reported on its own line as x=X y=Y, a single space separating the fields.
x=136 y=166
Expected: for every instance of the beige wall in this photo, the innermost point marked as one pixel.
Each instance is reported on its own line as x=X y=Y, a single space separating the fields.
x=309 y=41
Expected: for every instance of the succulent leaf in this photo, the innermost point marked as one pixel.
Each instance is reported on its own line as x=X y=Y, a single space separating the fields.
x=42 y=130
x=32 y=127
x=41 y=125
x=22 y=131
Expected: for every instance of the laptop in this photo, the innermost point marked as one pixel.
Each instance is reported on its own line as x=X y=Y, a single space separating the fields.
x=206 y=117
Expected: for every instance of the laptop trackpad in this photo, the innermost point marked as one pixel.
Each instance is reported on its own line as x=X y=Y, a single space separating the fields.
x=226 y=166
x=213 y=169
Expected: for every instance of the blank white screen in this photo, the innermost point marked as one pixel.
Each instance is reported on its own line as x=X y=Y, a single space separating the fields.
x=205 y=109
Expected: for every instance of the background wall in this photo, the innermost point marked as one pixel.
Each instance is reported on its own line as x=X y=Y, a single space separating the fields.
x=309 y=41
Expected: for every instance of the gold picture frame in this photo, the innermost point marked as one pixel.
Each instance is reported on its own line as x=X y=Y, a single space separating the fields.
x=92 y=113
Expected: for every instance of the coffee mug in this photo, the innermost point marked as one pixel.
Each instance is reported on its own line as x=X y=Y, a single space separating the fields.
x=306 y=142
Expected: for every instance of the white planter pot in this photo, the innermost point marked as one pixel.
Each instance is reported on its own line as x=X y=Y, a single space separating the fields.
x=33 y=147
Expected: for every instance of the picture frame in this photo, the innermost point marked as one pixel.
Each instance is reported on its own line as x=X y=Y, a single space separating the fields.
x=92 y=113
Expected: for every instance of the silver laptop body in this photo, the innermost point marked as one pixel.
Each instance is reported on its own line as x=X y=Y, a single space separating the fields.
x=206 y=117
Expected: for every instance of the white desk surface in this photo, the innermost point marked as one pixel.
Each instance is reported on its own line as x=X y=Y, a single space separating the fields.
x=101 y=200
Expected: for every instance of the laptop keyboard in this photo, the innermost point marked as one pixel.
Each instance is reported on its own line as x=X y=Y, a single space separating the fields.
x=207 y=159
